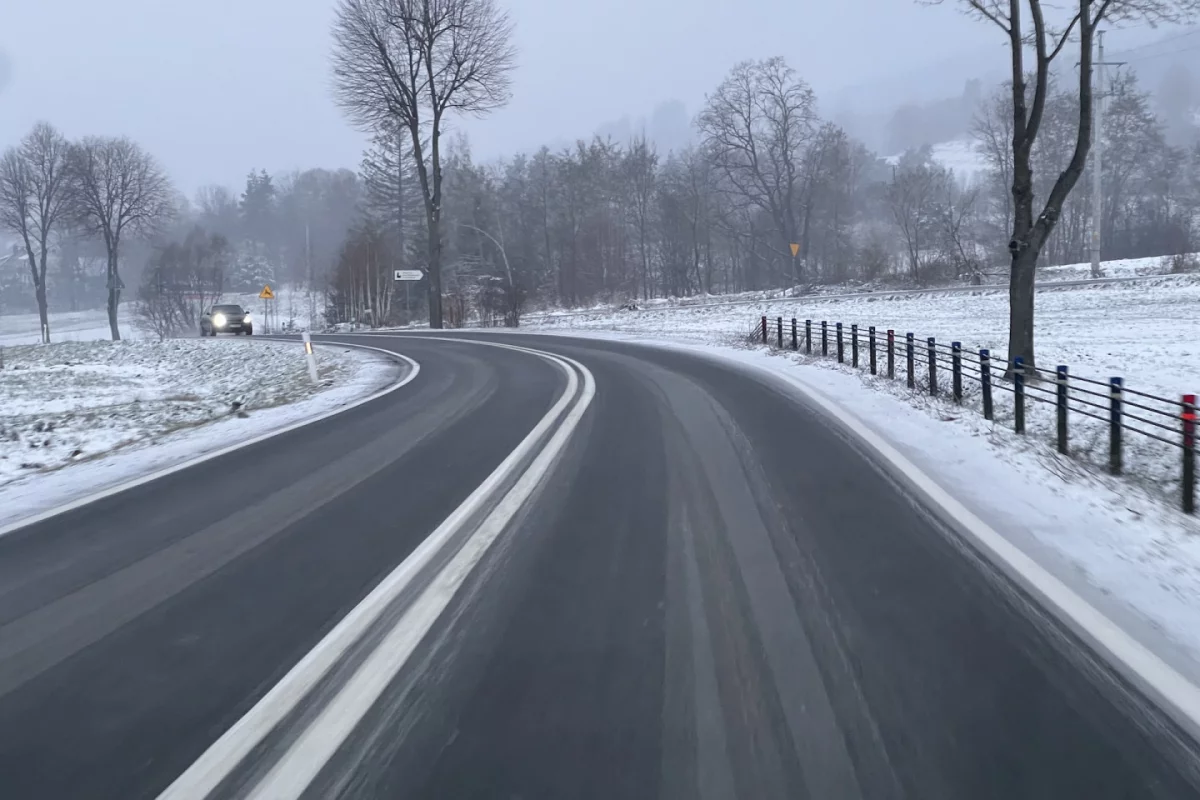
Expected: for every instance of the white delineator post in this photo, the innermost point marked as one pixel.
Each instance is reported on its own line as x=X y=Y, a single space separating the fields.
x=312 y=358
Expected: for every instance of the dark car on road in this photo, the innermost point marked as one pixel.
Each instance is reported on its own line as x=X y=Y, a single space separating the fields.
x=228 y=318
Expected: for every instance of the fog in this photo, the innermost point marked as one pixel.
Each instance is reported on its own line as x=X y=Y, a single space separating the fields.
x=214 y=89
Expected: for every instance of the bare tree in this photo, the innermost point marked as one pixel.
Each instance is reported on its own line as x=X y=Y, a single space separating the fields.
x=913 y=196
x=34 y=194
x=410 y=64
x=119 y=189
x=757 y=127
x=1050 y=29
x=180 y=281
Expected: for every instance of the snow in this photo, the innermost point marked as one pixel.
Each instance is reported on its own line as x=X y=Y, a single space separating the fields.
x=960 y=155
x=76 y=418
x=74 y=326
x=1120 y=542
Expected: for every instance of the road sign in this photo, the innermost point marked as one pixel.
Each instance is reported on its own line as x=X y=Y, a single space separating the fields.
x=409 y=275
x=795 y=249
x=115 y=282
x=266 y=293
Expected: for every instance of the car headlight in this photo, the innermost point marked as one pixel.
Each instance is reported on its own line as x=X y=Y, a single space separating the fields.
x=246 y=318
x=219 y=320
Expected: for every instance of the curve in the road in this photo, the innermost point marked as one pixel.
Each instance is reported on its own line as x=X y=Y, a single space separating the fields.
x=709 y=589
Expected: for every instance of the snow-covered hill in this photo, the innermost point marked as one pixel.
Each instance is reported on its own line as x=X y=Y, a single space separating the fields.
x=960 y=155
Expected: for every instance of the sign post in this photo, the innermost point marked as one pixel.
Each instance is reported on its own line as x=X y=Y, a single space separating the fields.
x=795 y=246
x=408 y=276
x=268 y=298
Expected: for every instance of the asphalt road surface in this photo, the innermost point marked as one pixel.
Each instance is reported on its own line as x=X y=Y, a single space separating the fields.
x=684 y=584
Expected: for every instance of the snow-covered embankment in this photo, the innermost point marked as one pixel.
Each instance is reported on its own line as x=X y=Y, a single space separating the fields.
x=79 y=417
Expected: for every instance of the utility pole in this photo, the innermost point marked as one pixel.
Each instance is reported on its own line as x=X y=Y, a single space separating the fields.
x=1099 y=96
x=400 y=223
x=312 y=301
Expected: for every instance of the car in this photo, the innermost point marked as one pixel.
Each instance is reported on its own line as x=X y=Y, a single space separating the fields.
x=227 y=318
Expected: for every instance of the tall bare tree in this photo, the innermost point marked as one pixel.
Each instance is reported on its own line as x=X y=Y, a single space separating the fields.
x=757 y=126
x=411 y=64
x=118 y=190
x=34 y=194
x=1050 y=28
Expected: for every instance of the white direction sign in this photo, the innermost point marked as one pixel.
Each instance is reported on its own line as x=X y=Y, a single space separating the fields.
x=408 y=275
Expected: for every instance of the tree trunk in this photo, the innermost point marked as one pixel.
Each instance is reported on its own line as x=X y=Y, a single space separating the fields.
x=114 y=296
x=1020 y=310
x=435 y=273
x=43 y=314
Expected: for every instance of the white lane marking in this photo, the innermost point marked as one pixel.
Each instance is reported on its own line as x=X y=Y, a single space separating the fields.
x=414 y=370
x=1173 y=693
x=293 y=773
x=203 y=776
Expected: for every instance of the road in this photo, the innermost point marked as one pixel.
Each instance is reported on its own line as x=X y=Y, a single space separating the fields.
x=690 y=585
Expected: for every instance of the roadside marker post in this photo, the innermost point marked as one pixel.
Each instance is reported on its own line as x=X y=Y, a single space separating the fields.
x=312 y=358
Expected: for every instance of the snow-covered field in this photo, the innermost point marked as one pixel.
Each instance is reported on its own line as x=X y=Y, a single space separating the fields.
x=960 y=155
x=1122 y=540
x=77 y=417
x=74 y=326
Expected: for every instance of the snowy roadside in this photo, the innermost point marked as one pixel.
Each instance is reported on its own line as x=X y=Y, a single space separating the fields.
x=78 y=418
x=1117 y=544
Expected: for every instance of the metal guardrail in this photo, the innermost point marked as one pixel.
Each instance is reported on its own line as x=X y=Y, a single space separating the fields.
x=1121 y=409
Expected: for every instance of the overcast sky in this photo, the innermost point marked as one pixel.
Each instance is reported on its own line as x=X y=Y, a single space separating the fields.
x=218 y=87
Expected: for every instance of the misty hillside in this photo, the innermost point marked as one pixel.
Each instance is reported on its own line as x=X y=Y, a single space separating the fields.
x=936 y=104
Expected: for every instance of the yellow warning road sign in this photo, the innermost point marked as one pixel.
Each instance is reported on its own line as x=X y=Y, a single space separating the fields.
x=795 y=249
x=266 y=293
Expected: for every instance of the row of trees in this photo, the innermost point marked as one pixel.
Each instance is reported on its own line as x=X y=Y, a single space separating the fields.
x=105 y=188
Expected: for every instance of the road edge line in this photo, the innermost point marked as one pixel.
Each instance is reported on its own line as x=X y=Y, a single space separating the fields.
x=293 y=773
x=205 y=774
x=133 y=483
x=1162 y=684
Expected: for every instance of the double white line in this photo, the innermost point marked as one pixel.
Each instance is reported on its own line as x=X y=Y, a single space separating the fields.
x=319 y=741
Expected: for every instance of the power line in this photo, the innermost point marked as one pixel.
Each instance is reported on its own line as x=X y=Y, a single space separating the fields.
x=1158 y=43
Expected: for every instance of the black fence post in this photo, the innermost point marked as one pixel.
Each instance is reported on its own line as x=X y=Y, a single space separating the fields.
x=839 y=343
x=795 y=339
x=871 y=345
x=854 y=344
x=956 y=368
x=1019 y=394
x=808 y=336
x=824 y=338
x=909 y=358
x=985 y=382
x=764 y=329
x=779 y=332
x=891 y=354
x=1189 y=454
x=933 y=388
x=1061 y=407
x=1115 y=411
